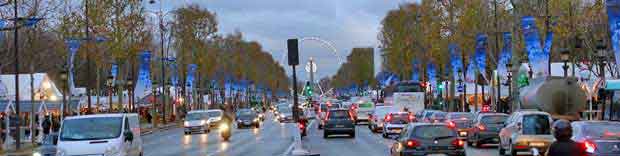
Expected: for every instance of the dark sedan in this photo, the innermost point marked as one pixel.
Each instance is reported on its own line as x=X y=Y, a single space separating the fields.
x=486 y=129
x=339 y=121
x=428 y=139
x=461 y=121
x=248 y=119
x=599 y=137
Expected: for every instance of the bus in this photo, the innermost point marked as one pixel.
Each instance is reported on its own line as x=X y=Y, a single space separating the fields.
x=405 y=95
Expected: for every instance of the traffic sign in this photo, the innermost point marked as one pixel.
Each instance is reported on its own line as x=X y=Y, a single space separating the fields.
x=459 y=88
x=313 y=65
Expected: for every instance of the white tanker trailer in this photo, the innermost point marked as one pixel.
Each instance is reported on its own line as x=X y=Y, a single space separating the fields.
x=561 y=97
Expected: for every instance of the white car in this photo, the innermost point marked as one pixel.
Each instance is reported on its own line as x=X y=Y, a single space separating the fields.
x=101 y=134
x=196 y=121
x=215 y=116
x=394 y=122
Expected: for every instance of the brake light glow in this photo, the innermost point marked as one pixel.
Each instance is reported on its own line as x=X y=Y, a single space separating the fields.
x=412 y=143
x=411 y=118
x=388 y=118
x=590 y=146
x=458 y=143
x=301 y=126
x=482 y=128
x=451 y=124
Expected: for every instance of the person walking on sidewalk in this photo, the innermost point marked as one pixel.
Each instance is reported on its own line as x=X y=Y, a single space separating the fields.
x=47 y=124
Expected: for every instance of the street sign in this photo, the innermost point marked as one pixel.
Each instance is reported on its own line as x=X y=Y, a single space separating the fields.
x=459 y=88
x=313 y=65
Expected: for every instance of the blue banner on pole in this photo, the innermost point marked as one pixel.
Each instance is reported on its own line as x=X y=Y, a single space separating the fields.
x=143 y=84
x=73 y=45
x=536 y=56
x=481 y=50
x=114 y=70
x=506 y=55
x=470 y=76
x=432 y=72
x=191 y=70
x=613 y=15
x=415 y=70
x=455 y=60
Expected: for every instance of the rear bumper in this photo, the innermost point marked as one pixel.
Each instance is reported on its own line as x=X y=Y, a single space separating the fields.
x=427 y=152
x=488 y=137
x=195 y=129
x=339 y=130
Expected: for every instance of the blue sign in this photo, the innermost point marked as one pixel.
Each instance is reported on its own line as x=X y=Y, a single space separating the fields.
x=613 y=15
x=537 y=58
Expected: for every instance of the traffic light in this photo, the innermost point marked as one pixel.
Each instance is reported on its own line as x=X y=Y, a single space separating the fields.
x=308 y=89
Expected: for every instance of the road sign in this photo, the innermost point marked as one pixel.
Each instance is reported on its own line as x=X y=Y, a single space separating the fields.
x=459 y=88
x=313 y=65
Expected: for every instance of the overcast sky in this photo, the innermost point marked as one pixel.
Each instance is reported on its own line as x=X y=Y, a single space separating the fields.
x=344 y=23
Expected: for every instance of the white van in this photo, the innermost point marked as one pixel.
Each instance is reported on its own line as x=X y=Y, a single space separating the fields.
x=101 y=134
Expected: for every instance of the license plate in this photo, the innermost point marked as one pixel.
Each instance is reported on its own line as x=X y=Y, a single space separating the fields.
x=495 y=139
x=537 y=144
x=463 y=133
x=339 y=126
x=436 y=155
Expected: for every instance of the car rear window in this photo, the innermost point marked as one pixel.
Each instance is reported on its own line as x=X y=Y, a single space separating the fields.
x=400 y=118
x=536 y=124
x=494 y=119
x=432 y=132
x=463 y=116
x=340 y=114
x=439 y=115
x=602 y=130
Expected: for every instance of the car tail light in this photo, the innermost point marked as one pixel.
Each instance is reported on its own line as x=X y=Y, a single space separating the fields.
x=301 y=126
x=388 y=118
x=590 y=146
x=411 y=118
x=521 y=146
x=458 y=143
x=482 y=128
x=451 y=124
x=412 y=143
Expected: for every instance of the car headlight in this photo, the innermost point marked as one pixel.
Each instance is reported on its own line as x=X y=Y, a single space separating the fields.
x=186 y=124
x=260 y=115
x=203 y=122
x=36 y=154
x=239 y=120
x=256 y=120
x=281 y=115
x=223 y=127
x=112 y=150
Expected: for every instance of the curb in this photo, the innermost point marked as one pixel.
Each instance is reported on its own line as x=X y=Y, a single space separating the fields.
x=162 y=128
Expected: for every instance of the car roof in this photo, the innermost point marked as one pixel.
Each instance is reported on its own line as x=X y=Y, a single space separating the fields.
x=338 y=109
x=493 y=114
x=214 y=110
x=398 y=112
x=594 y=122
x=427 y=124
x=532 y=112
x=100 y=115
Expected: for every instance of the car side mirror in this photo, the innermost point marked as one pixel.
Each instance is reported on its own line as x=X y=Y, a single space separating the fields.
x=128 y=136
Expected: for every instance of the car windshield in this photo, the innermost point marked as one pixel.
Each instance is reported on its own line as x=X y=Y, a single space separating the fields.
x=285 y=111
x=195 y=116
x=432 y=132
x=536 y=125
x=400 y=118
x=461 y=116
x=341 y=114
x=214 y=114
x=95 y=128
x=494 y=119
x=602 y=130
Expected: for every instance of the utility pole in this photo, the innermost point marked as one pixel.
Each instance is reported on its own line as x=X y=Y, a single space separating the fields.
x=497 y=53
x=163 y=63
x=547 y=30
x=88 y=68
x=16 y=53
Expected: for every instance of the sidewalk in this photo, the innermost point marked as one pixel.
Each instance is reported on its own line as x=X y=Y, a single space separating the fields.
x=149 y=129
x=26 y=150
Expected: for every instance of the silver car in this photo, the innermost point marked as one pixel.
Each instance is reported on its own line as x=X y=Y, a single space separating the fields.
x=599 y=137
x=196 y=121
x=525 y=130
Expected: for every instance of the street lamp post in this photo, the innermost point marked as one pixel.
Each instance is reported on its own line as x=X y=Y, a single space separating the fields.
x=460 y=80
x=63 y=78
x=154 y=94
x=601 y=47
x=564 y=55
x=110 y=83
x=509 y=84
x=130 y=88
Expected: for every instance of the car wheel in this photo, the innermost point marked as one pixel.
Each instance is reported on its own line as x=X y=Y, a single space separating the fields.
x=325 y=135
x=513 y=152
x=257 y=125
x=353 y=134
x=501 y=150
x=469 y=143
x=141 y=154
x=384 y=135
x=320 y=126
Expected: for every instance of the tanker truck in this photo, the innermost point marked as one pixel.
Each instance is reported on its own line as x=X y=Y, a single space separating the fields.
x=561 y=97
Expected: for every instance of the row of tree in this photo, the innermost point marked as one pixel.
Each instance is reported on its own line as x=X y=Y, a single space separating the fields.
x=358 y=70
x=423 y=31
x=119 y=30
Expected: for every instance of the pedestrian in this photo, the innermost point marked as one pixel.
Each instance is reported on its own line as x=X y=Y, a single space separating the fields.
x=149 y=118
x=46 y=127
